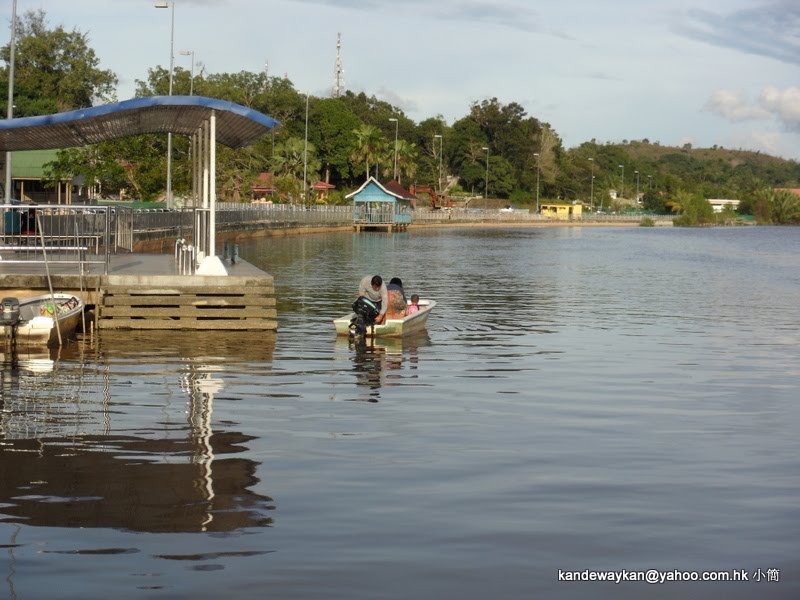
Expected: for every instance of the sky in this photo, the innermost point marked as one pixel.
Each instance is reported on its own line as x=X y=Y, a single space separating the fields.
x=704 y=72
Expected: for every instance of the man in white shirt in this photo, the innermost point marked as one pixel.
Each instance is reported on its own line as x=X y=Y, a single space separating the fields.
x=373 y=288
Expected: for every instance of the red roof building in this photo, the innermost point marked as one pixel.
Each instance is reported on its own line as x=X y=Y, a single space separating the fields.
x=321 y=190
x=262 y=186
x=395 y=188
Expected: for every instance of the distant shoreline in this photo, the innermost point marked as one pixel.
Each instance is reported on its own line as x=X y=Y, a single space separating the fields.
x=164 y=245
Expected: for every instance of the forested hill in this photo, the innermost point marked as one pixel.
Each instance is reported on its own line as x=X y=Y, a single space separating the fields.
x=769 y=168
x=710 y=172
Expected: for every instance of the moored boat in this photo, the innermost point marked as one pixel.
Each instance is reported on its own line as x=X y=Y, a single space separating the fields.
x=41 y=320
x=391 y=327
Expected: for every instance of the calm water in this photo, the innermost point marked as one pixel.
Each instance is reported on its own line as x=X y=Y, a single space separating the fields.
x=603 y=399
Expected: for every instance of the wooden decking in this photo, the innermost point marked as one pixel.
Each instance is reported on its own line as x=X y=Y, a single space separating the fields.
x=244 y=305
x=146 y=291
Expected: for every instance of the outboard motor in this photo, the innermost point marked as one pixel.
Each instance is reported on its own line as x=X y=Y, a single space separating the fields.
x=9 y=311
x=365 y=314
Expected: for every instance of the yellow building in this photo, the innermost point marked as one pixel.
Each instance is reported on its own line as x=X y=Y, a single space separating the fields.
x=563 y=212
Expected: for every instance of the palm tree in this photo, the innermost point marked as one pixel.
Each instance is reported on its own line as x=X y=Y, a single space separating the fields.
x=293 y=158
x=785 y=207
x=369 y=146
x=681 y=200
x=407 y=157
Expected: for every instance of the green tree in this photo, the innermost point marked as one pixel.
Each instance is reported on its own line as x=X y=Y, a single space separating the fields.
x=133 y=164
x=431 y=149
x=473 y=176
x=762 y=206
x=501 y=177
x=695 y=210
x=236 y=171
x=293 y=159
x=654 y=201
x=288 y=187
x=54 y=70
x=330 y=129
x=786 y=207
x=370 y=147
x=407 y=159
x=679 y=201
x=370 y=110
x=776 y=206
x=509 y=133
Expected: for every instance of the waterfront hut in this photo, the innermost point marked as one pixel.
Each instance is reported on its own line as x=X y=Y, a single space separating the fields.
x=381 y=206
x=562 y=212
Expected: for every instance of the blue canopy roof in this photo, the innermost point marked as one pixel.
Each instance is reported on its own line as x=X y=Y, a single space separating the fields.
x=236 y=126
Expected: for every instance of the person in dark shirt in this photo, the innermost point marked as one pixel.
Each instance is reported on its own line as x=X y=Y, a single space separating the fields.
x=397 y=299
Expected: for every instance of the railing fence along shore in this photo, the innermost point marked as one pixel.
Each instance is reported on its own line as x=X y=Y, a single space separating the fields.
x=230 y=214
x=61 y=234
x=88 y=234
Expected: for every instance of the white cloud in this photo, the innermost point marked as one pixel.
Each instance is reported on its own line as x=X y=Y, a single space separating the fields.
x=770 y=143
x=732 y=106
x=784 y=104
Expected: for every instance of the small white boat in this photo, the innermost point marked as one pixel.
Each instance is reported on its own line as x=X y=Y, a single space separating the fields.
x=391 y=327
x=34 y=320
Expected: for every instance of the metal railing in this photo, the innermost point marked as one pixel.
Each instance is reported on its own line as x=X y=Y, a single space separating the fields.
x=232 y=213
x=62 y=234
x=382 y=215
x=189 y=223
x=185 y=257
x=229 y=215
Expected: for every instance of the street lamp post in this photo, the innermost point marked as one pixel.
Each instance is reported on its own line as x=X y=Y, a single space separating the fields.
x=536 y=156
x=305 y=158
x=637 y=187
x=396 y=126
x=591 y=200
x=649 y=182
x=441 y=146
x=486 y=186
x=171 y=6
x=191 y=80
x=10 y=107
x=622 y=180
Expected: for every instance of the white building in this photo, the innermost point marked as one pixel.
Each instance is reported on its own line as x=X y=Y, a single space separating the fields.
x=718 y=204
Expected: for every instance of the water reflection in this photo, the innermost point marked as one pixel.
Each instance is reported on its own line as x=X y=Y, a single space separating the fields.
x=384 y=361
x=66 y=463
x=33 y=358
x=122 y=482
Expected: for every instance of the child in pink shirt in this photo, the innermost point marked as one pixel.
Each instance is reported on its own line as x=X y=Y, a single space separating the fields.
x=414 y=305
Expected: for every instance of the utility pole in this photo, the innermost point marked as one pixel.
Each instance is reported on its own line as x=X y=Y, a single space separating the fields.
x=10 y=109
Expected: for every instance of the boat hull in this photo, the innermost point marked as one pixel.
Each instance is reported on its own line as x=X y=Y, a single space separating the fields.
x=391 y=327
x=37 y=326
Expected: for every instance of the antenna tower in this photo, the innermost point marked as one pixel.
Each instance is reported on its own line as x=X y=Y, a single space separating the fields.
x=338 y=75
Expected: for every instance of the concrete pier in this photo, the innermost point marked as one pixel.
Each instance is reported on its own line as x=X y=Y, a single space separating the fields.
x=147 y=291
